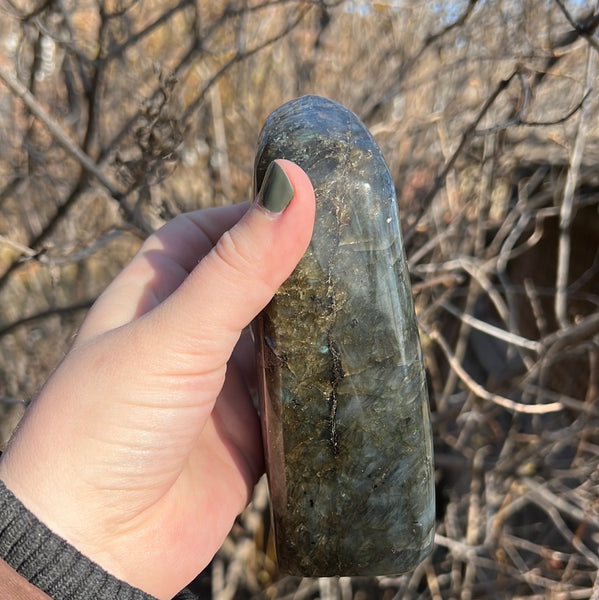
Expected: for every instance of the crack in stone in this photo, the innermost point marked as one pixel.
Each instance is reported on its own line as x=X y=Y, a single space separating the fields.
x=336 y=376
x=336 y=372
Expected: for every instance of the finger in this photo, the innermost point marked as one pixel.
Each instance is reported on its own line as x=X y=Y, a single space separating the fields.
x=163 y=262
x=239 y=276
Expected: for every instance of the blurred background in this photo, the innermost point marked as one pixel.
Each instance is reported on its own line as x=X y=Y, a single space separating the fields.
x=116 y=115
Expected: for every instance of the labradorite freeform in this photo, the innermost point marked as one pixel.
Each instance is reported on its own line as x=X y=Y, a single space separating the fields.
x=344 y=405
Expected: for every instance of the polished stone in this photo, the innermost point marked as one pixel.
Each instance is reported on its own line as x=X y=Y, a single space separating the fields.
x=344 y=405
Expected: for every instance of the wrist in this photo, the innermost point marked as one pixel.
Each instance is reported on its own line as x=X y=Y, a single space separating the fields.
x=49 y=562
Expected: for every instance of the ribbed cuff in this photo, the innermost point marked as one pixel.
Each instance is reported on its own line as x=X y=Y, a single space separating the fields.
x=49 y=562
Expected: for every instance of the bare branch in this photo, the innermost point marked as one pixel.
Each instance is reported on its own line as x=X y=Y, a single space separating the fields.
x=238 y=57
x=496 y=332
x=460 y=20
x=552 y=512
x=136 y=37
x=519 y=120
x=53 y=261
x=585 y=30
x=469 y=131
x=57 y=131
x=44 y=314
x=585 y=329
x=543 y=493
x=561 y=120
x=481 y=392
x=407 y=64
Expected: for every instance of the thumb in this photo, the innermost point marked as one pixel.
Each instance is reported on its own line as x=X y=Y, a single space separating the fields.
x=204 y=317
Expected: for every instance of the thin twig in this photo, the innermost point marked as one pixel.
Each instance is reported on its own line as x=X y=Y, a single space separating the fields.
x=564 y=530
x=73 y=257
x=478 y=272
x=467 y=135
x=523 y=104
x=481 y=392
x=566 y=212
x=496 y=332
x=12 y=401
x=408 y=63
x=220 y=155
x=595 y=594
x=583 y=330
x=561 y=120
x=238 y=57
x=119 y=50
x=44 y=314
x=581 y=406
x=519 y=121
x=586 y=30
x=22 y=248
x=574 y=512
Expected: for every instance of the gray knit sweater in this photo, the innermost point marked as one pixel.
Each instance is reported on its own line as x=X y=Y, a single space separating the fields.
x=53 y=565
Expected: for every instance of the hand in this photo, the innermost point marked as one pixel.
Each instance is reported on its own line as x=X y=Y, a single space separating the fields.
x=144 y=444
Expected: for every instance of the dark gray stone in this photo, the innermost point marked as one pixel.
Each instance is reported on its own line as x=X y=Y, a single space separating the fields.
x=344 y=405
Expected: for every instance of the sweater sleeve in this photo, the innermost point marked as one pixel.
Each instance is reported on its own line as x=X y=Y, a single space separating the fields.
x=50 y=563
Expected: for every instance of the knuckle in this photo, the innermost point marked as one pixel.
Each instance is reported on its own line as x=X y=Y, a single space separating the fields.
x=236 y=255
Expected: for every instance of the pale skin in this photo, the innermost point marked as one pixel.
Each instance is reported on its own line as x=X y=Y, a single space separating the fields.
x=144 y=444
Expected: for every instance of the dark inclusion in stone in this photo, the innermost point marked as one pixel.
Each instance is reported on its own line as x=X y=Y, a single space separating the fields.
x=344 y=405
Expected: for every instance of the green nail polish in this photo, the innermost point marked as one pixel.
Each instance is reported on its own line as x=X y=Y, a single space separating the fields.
x=276 y=191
